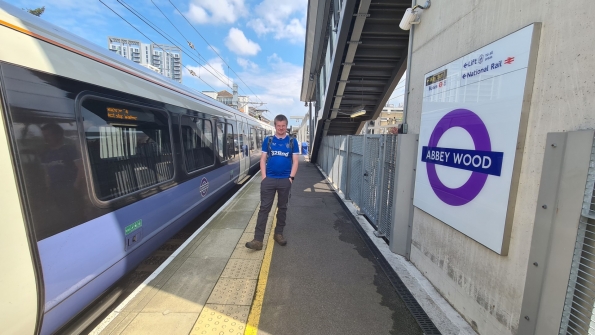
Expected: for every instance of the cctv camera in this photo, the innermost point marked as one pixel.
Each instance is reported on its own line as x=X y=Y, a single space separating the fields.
x=408 y=19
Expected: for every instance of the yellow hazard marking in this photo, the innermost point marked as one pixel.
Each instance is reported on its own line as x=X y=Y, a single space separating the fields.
x=254 y=316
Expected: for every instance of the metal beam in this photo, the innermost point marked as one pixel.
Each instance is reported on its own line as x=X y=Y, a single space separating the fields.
x=384 y=29
x=378 y=53
x=375 y=65
x=370 y=73
x=397 y=74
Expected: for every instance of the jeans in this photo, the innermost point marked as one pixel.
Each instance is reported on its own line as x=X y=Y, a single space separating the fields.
x=268 y=188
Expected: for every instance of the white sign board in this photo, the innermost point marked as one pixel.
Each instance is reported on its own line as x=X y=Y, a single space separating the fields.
x=470 y=122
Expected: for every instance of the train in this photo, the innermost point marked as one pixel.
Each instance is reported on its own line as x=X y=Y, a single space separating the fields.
x=103 y=160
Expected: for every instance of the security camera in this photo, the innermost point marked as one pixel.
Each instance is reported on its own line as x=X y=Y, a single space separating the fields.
x=409 y=18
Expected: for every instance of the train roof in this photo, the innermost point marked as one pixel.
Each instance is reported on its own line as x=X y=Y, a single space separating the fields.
x=23 y=22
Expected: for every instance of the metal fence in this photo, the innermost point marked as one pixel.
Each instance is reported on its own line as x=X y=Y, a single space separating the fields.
x=363 y=168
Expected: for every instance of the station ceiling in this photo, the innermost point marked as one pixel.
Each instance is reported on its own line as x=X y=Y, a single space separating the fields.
x=371 y=58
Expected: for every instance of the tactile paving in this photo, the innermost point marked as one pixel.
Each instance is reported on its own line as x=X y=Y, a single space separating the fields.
x=229 y=291
x=242 y=268
x=221 y=319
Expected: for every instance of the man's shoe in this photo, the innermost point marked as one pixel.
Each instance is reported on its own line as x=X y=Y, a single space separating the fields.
x=254 y=245
x=279 y=239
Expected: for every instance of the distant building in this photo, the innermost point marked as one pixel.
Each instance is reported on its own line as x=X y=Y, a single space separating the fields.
x=391 y=115
x=388 y=121
x=228 y=99
x=152 y=68
x=210 y=94
x=167 y=59
x=225 y=97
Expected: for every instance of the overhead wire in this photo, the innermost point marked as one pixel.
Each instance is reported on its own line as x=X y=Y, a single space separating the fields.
x=141 y=17
x=215 y=51
x=187 y=40
x=149 y=39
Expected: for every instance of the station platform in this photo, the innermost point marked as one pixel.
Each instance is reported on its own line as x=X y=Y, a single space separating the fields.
x=330 y=278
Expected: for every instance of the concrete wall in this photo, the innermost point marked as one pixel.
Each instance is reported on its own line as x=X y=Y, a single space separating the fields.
x=487 y=288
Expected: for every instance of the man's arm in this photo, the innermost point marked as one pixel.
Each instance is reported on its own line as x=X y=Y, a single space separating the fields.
x=263 y=165
x=294 y=166
x=294 y=159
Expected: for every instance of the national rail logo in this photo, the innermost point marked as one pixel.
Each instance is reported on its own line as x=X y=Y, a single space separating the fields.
x=204 y=186
x=482 y=161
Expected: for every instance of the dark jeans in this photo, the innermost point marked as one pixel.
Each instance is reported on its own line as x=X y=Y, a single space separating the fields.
x=268 y=188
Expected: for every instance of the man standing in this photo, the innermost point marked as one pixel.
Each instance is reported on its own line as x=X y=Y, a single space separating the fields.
x=278 y=166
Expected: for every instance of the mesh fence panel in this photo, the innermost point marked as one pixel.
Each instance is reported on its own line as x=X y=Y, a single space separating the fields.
x=336 y=176
x=356 y=162
x=325 y=157
x=329 y=159
x=345 y=160
x=370 y=180
x=344 y=167
x=388 y=182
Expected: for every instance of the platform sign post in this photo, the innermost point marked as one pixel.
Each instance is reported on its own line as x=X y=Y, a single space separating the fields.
x=473 y=124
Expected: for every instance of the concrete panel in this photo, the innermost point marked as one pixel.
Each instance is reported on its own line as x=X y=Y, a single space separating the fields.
x=489 y=287
x=161 y=323
x=236 y=220
x=247 y=204
x=403 y=197
x=189 y=288
x=557 y=217
x=219 y=243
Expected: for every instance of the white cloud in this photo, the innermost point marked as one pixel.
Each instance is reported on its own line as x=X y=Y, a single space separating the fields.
x=279 y=87
x=213 y=74
x=247 y=64
x=221 y=11
x=285 y=19
x=237 y=42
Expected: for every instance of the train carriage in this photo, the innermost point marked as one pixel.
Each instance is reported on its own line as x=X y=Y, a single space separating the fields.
x=103 y=160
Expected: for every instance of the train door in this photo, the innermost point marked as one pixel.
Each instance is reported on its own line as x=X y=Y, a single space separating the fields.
x=244 y=147
x=254 y=147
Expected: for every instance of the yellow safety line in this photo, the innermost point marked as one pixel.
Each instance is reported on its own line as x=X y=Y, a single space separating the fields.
x=255 y=310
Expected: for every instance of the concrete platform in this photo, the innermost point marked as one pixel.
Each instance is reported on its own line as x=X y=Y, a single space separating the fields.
x=327 y=280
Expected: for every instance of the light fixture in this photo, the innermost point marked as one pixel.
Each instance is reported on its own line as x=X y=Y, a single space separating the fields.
x=361 y=109
x=412 y=16
x=311 y=77
x=358 y=113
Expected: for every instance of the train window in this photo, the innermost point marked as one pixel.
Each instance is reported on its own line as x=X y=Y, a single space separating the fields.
x=225 y=141
x=241 y=131
x=197 y=141
x=231 y=140
x=129 y=147
x=259 y=138
x=253 y=142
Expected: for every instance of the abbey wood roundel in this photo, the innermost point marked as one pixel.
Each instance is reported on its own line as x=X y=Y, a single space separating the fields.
x=482 y=161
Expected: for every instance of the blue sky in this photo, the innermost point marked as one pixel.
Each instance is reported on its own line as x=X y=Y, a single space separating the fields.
x=261 y=40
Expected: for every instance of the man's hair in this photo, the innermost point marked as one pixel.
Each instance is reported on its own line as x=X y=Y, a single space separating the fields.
x=280 y=118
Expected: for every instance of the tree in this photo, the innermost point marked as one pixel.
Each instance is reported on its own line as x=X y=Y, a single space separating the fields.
x=37 y=11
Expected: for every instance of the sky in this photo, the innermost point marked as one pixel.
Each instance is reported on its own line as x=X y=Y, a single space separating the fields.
x=258 y=44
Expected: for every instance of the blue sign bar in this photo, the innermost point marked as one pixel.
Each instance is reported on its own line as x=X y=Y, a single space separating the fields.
x=488 y=162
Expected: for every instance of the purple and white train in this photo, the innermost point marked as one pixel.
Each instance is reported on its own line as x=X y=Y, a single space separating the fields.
x=102 y=161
